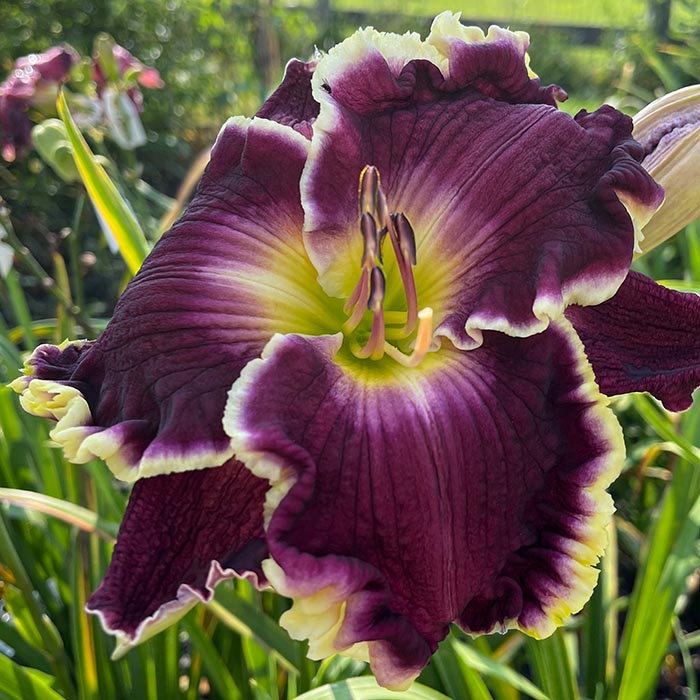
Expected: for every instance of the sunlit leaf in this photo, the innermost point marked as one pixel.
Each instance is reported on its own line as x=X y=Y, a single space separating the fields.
x=108 y=203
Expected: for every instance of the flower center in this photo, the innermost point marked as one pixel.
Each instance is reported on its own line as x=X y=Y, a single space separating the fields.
x=376 y=224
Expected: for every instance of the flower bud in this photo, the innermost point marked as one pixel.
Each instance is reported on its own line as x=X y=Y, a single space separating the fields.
x=669 y=131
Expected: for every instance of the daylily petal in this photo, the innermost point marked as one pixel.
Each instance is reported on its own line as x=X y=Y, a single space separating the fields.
x=23 y=87
x=472 y=490
x=669 y=131
x=181 y=535
x=148 y=396
x=644 y=339
x=53 y=65
x=292 y=103
x=511 y=200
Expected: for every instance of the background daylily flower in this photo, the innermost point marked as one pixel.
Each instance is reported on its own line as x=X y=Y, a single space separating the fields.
x=34 y=80
x=112 y=64
x=361 y=366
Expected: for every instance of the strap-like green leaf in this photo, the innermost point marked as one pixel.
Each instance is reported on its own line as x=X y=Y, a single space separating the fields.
x=496 y=669
x=105 y=197
x=71 y=513
x=21 y=683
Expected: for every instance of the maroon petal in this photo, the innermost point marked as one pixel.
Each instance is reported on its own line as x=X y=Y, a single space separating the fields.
x=181 y=535
x=469 y=489
x=292 y=103
x=644 y=339
x=511 y=200
x=148 y=396
x=53 y=65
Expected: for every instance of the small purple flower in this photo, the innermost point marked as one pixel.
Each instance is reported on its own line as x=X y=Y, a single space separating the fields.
x=33 y=81
x=361 y=366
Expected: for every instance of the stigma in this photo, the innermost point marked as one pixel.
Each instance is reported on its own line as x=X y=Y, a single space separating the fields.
x=376 y=224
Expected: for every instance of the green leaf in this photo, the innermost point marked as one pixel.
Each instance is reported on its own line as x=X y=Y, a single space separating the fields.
x=21 y=683
x=456 y=675
x=245 y=619
x=219 y=676
x=669 y=558
x=366 y=688
x=105 y=197
x=81 y=626
x=487 y=666
x=553 y=667
x=63 y=510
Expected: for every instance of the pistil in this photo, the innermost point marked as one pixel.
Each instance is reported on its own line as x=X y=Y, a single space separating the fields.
x=376 y=222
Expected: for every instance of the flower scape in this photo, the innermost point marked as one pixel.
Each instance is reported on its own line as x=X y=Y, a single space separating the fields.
x=370 y=364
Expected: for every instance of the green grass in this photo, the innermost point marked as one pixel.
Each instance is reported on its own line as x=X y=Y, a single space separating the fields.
x=624 y=14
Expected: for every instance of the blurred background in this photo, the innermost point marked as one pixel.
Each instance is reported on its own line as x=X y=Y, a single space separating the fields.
x=639 y=637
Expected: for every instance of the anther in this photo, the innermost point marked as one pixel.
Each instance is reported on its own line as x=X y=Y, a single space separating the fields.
x=404 y=243
x=369 y=186
x=407 y=238
x=377 y=288
x=368 y=227
x=374 y=347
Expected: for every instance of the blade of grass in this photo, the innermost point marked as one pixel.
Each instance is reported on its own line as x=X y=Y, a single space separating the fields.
x=105 y=196
x=552 y=667
x=669 y=560
x=687 y=656
x=20 y=308
x=215 y=670
x=490 y=667
x=456 y=675
x=20 y=683
x=53 y=643
x=23 y=651
x=70 y=513
x=82 y=642
x=245 y=619
x=64 y=321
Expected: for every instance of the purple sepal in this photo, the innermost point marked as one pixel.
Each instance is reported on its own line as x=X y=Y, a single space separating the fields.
x=644 y=339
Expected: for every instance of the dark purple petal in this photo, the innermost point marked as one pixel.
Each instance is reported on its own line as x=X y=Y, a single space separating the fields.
x=292 y=103
x=511 y=200
x=644 y=339
x=22 y=88
x=53 y=65
x=181 y=535
x=149 y=395
x=15 y=126
x=470 y=489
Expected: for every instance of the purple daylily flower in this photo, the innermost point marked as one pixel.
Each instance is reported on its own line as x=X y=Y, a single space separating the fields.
x=361 y=366
x=146 y=76
x=33 y=80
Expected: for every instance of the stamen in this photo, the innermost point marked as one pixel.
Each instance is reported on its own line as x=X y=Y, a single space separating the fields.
x=377 y=289
x=368 y=227
x=407 y=238
x=404 y=243
x=424 y=339
x=369 y=185
x=376 y=222
x=359 y=295
x=374 y=347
